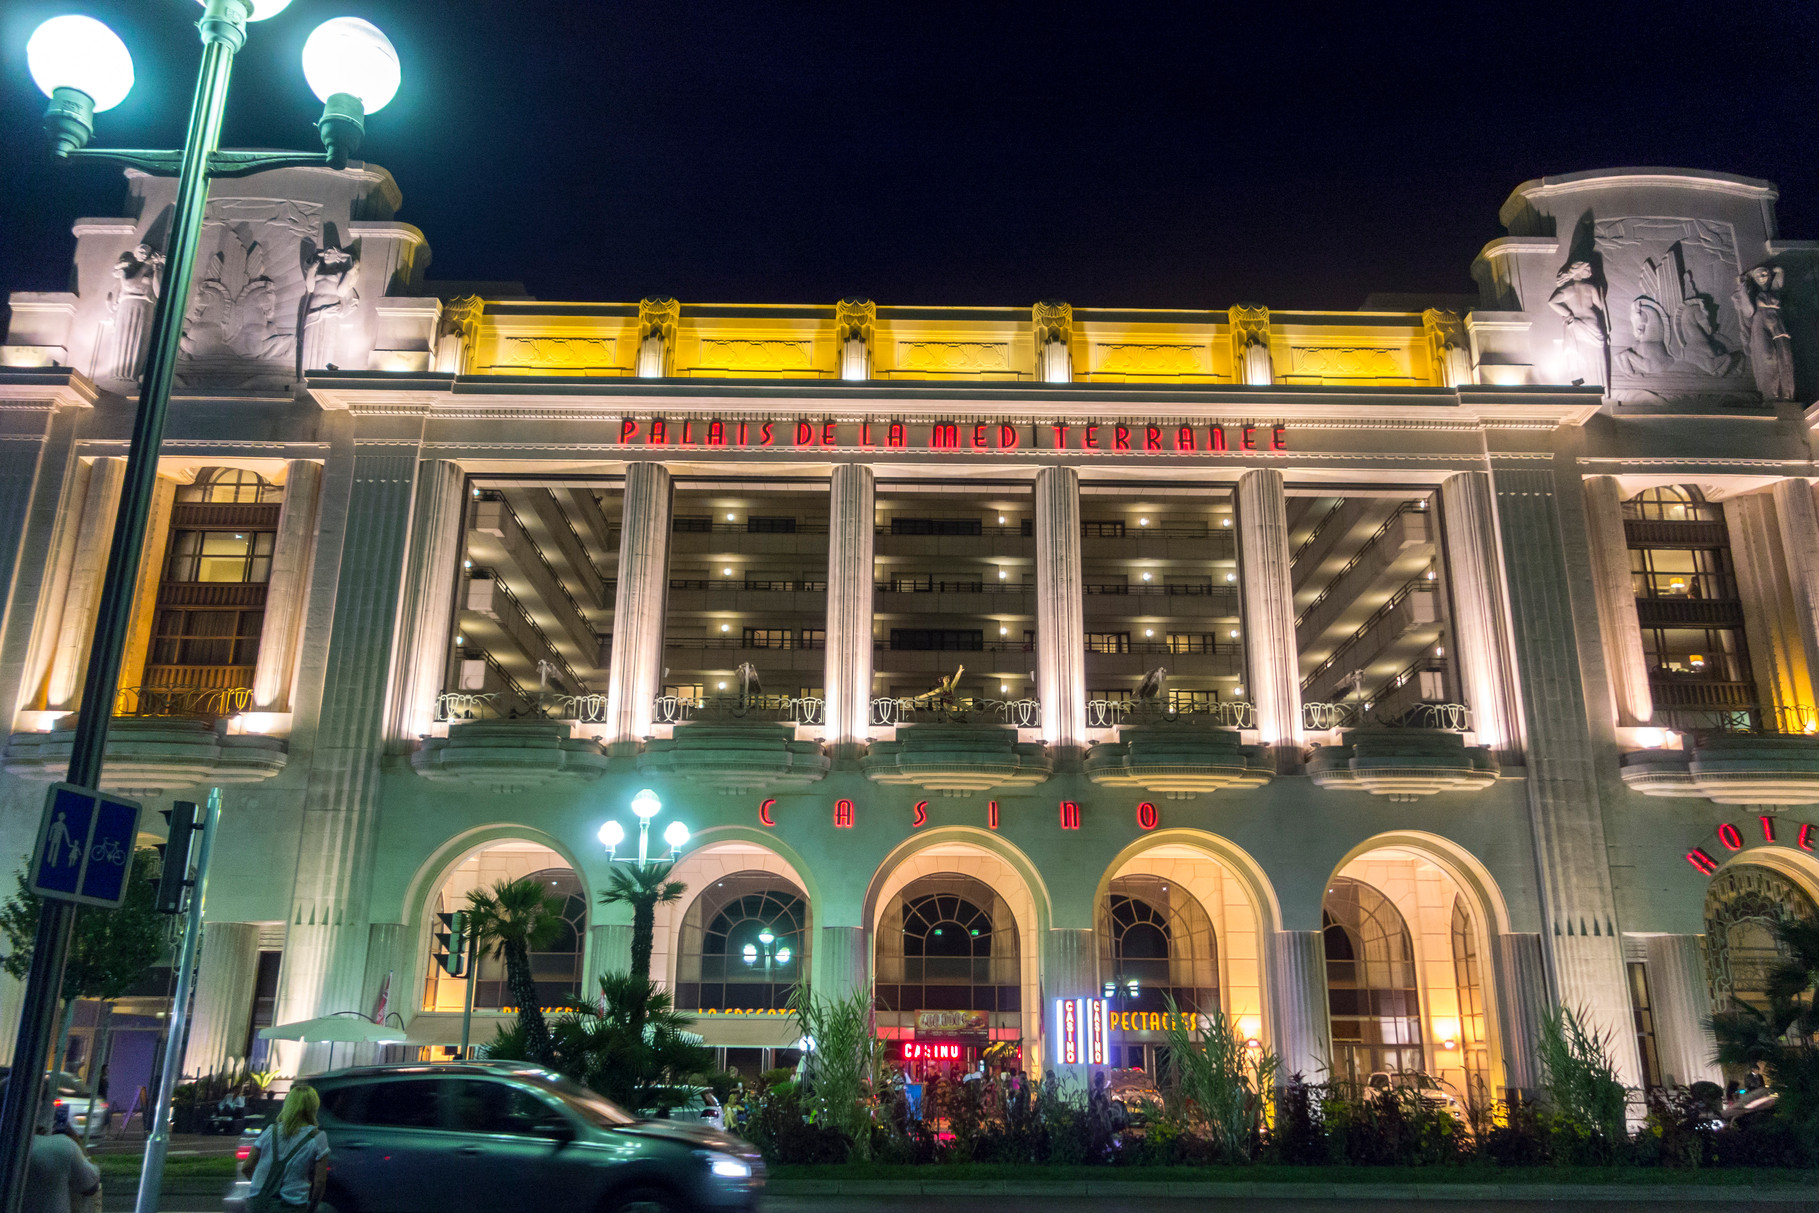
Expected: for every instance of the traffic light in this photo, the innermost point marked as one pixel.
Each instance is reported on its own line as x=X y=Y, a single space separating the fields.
x=451 y=943
x=181 y=821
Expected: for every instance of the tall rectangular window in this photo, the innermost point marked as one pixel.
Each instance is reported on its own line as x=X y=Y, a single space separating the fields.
x=1643 y=1009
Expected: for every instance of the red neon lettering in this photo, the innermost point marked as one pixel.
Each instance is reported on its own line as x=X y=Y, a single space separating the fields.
x=764 y=435
x=659 y=433
x=1007 y=437
x=1768 y=828
x=828 y=436
x=1091 y=439
x=1701 y=862
x=628 y=430
x=1121 y=438
x=1215 y=438
x=895 y=437
x=805 y=434
x=1152 y=438
x=1146 y=816
x=921 y=818
x=688 y=433
x=843 y=814
x=1730 y=837
x=1060 y=436
x=1805 y=841
x=991 y=814
x=741 y=439
x=944 y=436
x=865 y=433
x=716 y=433
x=1070 y=815
x=1249 y=441
x=979 y=442
x=764 y=813
x=1184 y=438
x=1279 y=438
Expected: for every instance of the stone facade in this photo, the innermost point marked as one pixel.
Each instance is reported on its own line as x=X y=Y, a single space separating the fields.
x=1489 y=630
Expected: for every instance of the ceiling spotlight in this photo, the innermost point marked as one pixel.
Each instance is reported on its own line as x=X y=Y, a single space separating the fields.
x=1231 y=576
x=729 y=517
x=726 y=572
x=727 y=627
x=1143 y=522
x=1146 y=576
x=1233 y=633
x=1225 y=522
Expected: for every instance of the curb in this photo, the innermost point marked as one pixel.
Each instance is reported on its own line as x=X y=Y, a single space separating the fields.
x=1650 y=1193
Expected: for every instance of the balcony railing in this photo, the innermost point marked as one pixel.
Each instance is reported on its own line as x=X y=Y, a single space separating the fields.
x=781 y=709
x=1441 y=717
x=890 y=710
x=1110 y=713
x=762 y=587
x=189 y=703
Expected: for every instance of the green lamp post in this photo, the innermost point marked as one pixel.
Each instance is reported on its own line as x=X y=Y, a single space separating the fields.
x=85 y=69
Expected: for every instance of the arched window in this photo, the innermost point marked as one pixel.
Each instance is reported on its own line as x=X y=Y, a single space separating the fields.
x=1670 y=503
x=1158 y=935
x=1743 y=906
x=555 y=968
x=948 y=943
x=1372 y=995
x=1468 y=976
x=744 y=945
x=230 y=486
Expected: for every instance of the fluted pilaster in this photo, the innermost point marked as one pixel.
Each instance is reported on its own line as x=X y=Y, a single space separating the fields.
x=1771 y=624
x=1070 y=969
x=77 y=626
x=609 y=950
x=426 y=604
x=1480 y=616
x=293 y=553
x=1269 y=606
x=1800 y=541
x=226 y=971
x=1060 y=609
x=848 y=681
x=841 y=962
x=1520 y=981
x=1682 y=1003
x=145 y=585
x=638 y=606
x=1300 y=1028
x=1618 y=623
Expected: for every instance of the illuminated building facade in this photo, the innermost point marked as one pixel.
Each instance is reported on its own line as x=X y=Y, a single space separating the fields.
x=1377 y=679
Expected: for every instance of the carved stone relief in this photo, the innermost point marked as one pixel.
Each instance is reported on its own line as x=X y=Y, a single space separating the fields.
x=1054 y=329
x=558 y=353
x=1447 y=347
x=1347 y=363
x=854 y=322
x=970 y=357
x=1673 y=329
x=1766 y=340
x=1581 y=302
x=1133 y=359
x=247 y=303
x=1251 y=345
x=738 y=355
x=658 y=317
x=138 y=281
x=329 y=297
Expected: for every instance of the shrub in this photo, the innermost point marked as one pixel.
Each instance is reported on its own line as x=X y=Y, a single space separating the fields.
x=1587 y=1103
x=1216 y=1084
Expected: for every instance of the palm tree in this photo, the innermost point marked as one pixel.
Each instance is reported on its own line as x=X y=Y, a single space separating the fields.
x=1782 y=1036
x=642 y=887
x=515 y=918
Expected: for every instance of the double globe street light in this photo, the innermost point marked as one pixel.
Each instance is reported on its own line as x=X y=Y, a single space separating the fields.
x=84 y=68
x=646 y=806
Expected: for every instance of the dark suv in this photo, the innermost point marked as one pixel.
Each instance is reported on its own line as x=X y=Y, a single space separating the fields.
x=484 y=1136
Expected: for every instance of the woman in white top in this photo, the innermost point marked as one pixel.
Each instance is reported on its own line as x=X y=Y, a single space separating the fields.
x=295 y=1144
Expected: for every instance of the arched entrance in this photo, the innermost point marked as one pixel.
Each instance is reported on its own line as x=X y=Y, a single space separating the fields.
x=1743 y=905
x=555 y=968
x=743 y=945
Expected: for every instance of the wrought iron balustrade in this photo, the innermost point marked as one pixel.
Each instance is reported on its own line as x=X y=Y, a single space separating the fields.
x=889 y=710
x=1319 y=717
x=1225 y=713
x=189 y=703
x=779 y=709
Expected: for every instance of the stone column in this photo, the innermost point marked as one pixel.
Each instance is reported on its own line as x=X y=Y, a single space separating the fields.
x=77 y=627
x=1300 y=1027
x=841 y=962
x=1519 y=979
x=427 y=603
x=1618 y=623
x=293 y=550
x=1800 y=541
x=1771 y=625
x=227 y=970
x=609 y=950
x=1480 y=613
x=1682 y=1002
x=848 y=682
x=636 y=673
x=1268 y=599
x=1060 y=610
x=368 y=487
x=145 y=585
x=1070 y=969
x=1580 y=937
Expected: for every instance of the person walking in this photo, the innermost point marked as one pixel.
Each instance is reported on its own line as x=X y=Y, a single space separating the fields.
x=59 y=1177
x=289 y=1161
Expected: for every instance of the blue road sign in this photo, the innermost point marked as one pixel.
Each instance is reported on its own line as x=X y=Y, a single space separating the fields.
x=85 y=846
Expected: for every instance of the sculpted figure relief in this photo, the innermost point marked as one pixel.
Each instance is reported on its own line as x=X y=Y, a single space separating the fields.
x=1765 y=334
x=1580 y=302
x=138 y=281
x=233 y=311
x=1676 y=325
x=328 y=296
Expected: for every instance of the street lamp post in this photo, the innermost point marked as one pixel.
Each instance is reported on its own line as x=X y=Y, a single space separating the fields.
x=769 y=950
x=85 y=69
x=646 y=805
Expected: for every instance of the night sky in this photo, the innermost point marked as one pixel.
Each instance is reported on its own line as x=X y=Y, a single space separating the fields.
x=1106 y=154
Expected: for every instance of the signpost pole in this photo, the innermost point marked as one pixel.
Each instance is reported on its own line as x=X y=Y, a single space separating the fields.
x=157 y=1144
x=473 y=976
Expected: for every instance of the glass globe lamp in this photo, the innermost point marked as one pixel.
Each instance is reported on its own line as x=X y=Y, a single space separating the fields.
x=611 y=835
x=84 y=68
x=646 y=805
x=353 y=68
x=676 y=835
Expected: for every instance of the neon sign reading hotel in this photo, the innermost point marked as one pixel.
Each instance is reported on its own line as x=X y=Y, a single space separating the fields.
x=1109 y=438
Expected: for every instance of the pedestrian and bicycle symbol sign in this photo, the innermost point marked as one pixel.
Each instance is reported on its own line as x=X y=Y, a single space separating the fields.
x=85 y=846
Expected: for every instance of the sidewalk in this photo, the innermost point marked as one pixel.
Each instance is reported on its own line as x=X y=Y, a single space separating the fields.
x=1651 y=1193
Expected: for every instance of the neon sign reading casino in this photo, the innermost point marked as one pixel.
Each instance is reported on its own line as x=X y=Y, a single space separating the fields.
x=1109 y=438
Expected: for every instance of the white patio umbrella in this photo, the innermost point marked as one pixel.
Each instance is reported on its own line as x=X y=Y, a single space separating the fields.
x=333 y=1030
